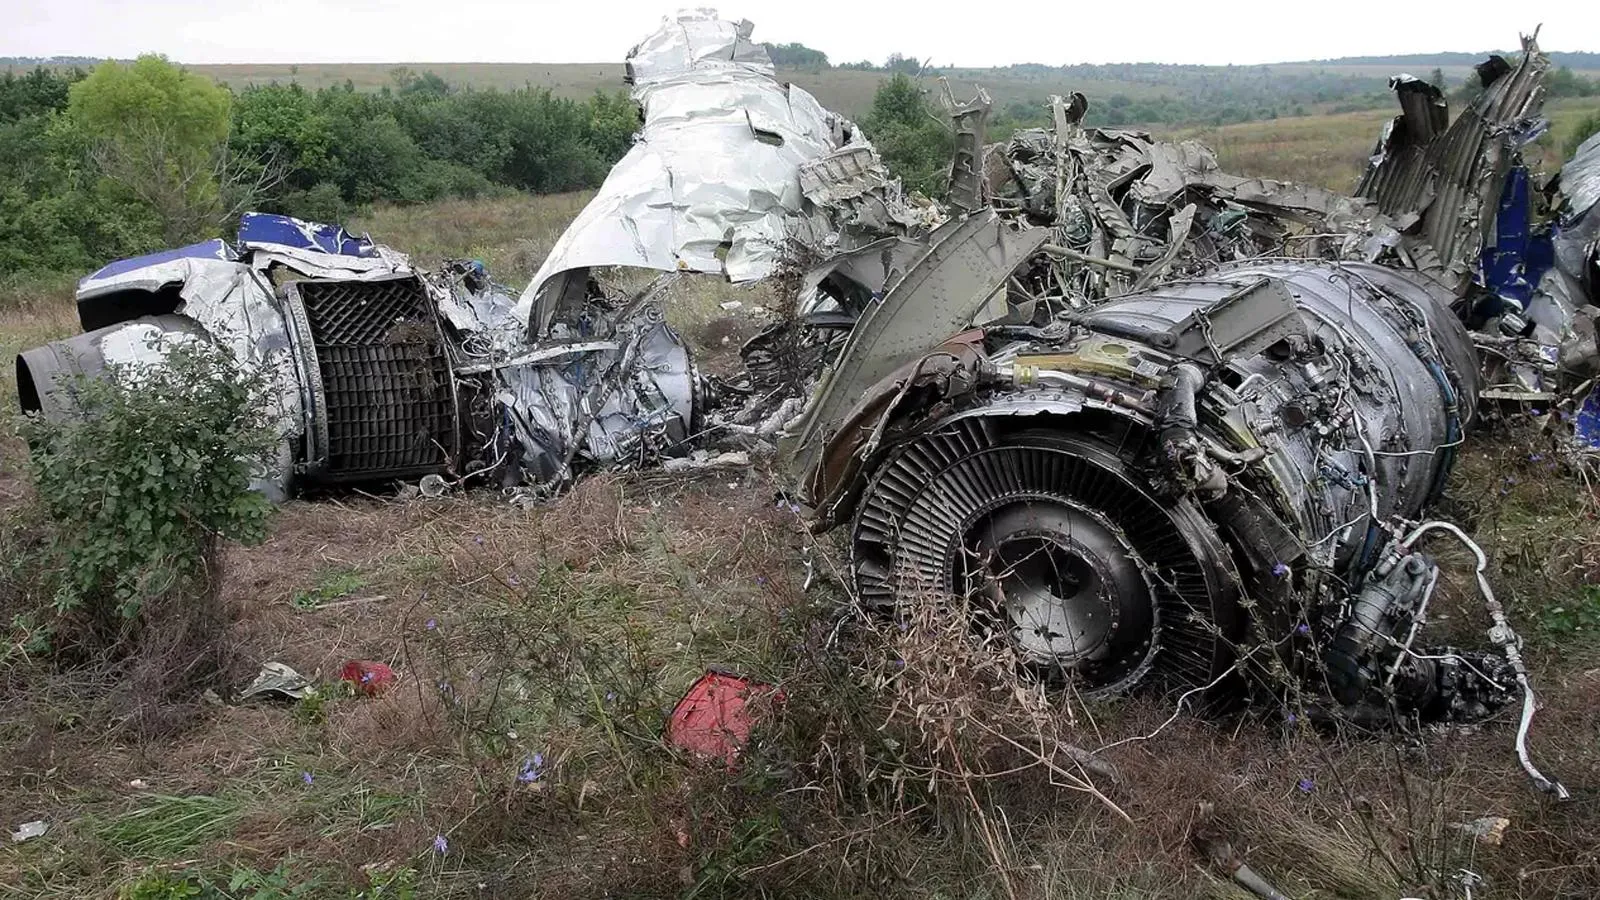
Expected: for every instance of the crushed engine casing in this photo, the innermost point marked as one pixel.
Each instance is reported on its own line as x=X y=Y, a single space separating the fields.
x=1135 y=492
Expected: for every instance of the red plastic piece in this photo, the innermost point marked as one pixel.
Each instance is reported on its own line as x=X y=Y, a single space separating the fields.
x=369 y=677
x=715 y=716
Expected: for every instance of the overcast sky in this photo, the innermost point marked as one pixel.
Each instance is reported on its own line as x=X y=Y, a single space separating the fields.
x=952 y=33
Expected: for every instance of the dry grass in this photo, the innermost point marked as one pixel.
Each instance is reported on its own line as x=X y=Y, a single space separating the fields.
x=902 y=762
x=511 y=234
x=1331 y=150
x=33 y=311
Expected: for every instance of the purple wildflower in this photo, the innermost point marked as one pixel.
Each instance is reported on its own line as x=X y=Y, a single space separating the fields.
x=478 y=539
x=431 y=624
x=1279 y=570
x=306 y=777
x=440 y=845
x=532 y=769
x=1302 y=628
x=1306 y=785
x=900 y=664
x=611 y=696
x=1291 y=718
x=761 y=579
x=1535 y=457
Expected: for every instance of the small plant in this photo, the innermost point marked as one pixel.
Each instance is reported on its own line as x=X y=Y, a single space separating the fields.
x=312 y=709
x=1579 y=614
x=162 y=886
x=145 y=485
x=333 y=586
x=242 y=883
x=280 y=883
x=1587 y=126
x=167 y=827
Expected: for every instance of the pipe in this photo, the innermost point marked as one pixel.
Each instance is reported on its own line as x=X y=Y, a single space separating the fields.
x=1067 y=253
x=1502 y=636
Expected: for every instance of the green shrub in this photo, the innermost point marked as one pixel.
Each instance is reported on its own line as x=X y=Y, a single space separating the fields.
x=143 y=488
x=915 y=142
x=1586 y=127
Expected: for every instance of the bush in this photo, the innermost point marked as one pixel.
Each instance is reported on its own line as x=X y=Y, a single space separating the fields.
x=914 y=141
x=141 y=491
x=1586 y=127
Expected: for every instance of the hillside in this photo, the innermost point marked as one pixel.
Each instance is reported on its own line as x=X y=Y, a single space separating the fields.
x=1140 y=92
x=1127 y=92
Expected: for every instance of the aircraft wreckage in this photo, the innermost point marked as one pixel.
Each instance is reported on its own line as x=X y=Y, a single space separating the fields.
x=1144 y=411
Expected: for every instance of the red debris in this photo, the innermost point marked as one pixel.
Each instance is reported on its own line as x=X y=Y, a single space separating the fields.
x=714 y=717
x=369 y=677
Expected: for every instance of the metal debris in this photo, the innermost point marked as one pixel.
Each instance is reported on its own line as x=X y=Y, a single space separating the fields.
x=278 y=682
x=714 y=718
x=27 y=831
x=367 y=676
x=1490 y=830
x=381 y=372
x=711 y=177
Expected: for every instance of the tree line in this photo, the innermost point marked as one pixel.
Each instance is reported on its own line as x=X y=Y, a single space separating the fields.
x=131 y=157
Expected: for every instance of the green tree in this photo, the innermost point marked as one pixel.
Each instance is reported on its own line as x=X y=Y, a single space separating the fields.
x=796 y=56
x=906 y=65
x=613 y=120
x=1563 y=82
x=914 y=142
x=39 y=91
x=161 y=134
x=54 y=214
x=1586 y=127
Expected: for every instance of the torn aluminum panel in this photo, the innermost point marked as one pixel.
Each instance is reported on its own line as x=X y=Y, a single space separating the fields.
x=851 y=200
x=1577 y=243
x=1580 y=179
x=966 y=167
x=315 y=250
x=968 y=263
x=710 y=177
x=626 y=399
x=1451 y=178
x=260 y=229
x=481 y=310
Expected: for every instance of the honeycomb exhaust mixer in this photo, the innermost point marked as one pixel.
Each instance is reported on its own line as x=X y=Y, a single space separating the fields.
x=1182 y=484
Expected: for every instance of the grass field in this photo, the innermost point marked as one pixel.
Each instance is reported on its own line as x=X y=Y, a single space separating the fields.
x=538 y=652
x=1332 y=150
